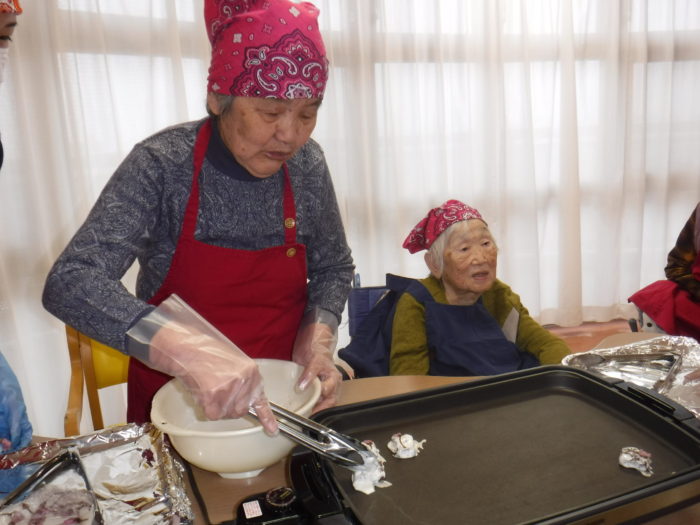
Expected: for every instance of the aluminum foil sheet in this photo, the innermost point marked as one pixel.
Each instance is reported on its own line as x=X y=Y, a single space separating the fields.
x=662 y=364
x=130 y=470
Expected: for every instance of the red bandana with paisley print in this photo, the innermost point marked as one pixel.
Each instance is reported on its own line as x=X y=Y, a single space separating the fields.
x=266 y=49
x=437 y=221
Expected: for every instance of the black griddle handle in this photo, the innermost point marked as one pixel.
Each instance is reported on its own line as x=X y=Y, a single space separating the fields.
x=661 y=404
x=314 y=488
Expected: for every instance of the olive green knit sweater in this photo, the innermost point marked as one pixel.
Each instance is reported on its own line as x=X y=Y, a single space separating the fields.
x=409 y=347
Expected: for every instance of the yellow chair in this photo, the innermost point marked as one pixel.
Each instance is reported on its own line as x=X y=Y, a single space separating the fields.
x=96 y=366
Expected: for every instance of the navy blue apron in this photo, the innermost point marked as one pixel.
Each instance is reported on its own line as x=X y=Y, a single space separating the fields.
x=468 y=341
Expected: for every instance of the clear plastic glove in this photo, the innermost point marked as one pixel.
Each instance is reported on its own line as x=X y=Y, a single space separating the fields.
x=15 y=428
x=313 y=349
x=222 y=379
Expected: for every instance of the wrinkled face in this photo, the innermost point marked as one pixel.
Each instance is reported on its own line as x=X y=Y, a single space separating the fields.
x=263 y=133
x=469 y=262
x=8 y=22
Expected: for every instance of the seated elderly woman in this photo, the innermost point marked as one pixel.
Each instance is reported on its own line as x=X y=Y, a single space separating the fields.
x=470 y=323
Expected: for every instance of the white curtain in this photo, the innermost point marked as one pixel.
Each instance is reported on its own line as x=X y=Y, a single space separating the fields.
x=572 y=125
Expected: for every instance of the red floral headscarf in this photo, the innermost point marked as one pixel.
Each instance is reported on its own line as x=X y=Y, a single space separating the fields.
x=266 y=49
x=10 y=6
x=437 y=221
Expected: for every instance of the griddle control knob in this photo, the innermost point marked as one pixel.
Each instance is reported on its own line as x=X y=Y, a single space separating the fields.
x=280 y=499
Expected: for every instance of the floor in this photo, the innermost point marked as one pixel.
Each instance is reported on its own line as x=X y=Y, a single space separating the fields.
x=586 y=336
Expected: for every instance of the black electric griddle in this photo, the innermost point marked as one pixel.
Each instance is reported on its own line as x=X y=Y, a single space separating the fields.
x=534 y=446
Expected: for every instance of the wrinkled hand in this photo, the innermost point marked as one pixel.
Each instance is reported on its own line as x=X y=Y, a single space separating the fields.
x=323 y=368
x=223 y=382
x=313 y=349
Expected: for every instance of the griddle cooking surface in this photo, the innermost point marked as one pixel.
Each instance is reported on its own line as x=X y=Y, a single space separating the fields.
x=512 y=451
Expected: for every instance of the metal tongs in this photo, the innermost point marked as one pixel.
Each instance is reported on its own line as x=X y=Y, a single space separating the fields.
x=68 y=460
x=341 y=449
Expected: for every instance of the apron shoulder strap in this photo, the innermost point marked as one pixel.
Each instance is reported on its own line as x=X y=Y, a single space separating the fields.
x=418 y=290
x=401 y=284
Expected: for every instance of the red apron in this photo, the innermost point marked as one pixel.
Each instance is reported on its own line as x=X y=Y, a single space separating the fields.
x=671 y=307
x=256 y=298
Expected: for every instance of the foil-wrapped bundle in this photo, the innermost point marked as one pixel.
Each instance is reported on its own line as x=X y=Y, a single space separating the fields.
x=120 y=475
x=638 y=459
x=404 y=446
x=371 y=474
x=662 y=364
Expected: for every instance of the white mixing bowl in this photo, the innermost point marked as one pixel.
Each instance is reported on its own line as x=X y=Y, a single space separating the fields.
x=234 y=448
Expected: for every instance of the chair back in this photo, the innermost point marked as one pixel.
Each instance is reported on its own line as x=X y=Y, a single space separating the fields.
x=96 y=366
x=360 y=303
x=371 y=317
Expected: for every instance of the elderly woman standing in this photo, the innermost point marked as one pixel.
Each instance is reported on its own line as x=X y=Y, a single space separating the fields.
x=468 y=322
x=233 y=216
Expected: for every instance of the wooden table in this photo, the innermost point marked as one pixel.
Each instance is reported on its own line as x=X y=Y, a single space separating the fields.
x=625 y=338
x=223 y=496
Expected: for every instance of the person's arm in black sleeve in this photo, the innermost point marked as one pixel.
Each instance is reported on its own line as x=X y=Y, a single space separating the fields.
x=681 y=258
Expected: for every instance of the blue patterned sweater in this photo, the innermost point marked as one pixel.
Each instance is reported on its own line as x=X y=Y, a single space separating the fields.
x=139 y=216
